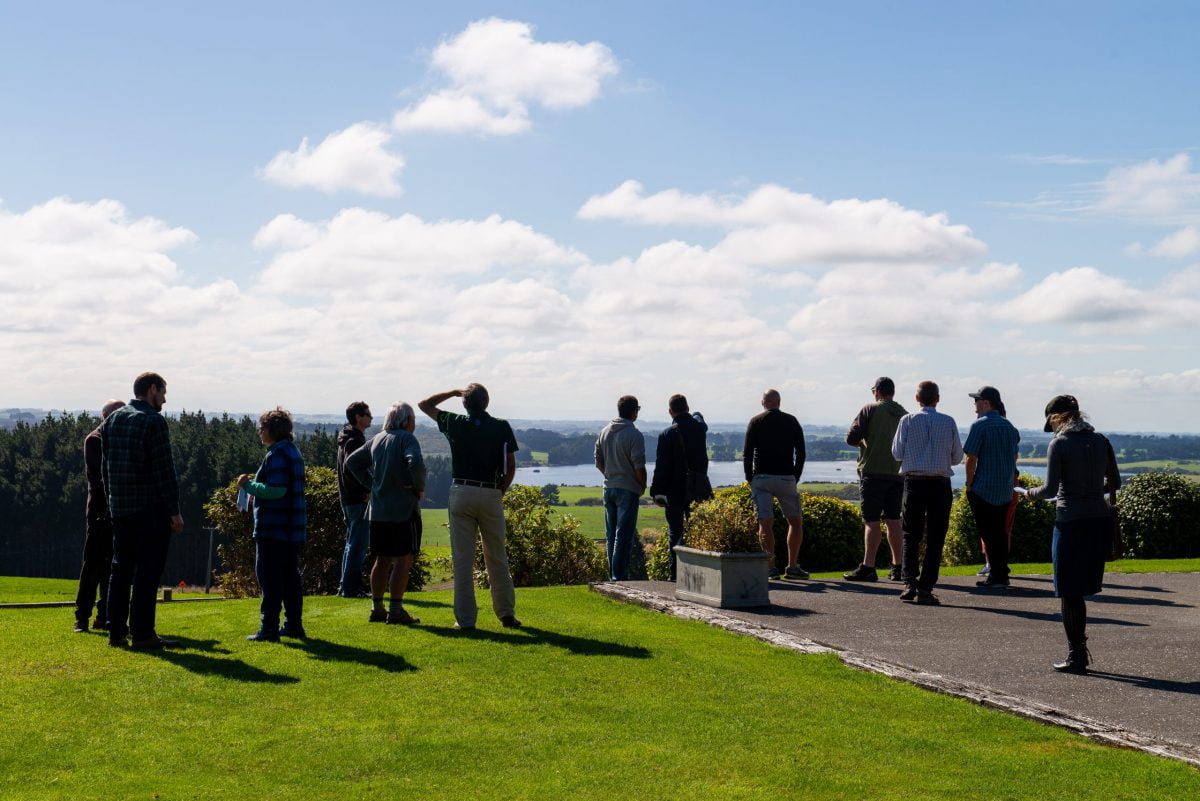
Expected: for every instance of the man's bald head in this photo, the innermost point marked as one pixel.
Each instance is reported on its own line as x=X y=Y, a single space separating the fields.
x=110 y=407
x=770 y=399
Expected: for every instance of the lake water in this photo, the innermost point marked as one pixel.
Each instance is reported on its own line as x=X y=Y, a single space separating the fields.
x=721 y=474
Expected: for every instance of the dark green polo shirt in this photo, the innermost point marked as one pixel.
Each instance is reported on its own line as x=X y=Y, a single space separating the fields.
x=479 y=445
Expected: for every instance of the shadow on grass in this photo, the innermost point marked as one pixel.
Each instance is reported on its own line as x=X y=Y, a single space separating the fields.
x=1149 y=682
x=339 y=652
x=531 y=635
x=194 y=655
x=410 y=599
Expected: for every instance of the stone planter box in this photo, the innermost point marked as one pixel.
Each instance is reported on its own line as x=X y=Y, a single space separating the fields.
x=724 y=580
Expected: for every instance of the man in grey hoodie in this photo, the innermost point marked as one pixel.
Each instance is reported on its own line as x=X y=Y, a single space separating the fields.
x=879 y=480
x=621 y=457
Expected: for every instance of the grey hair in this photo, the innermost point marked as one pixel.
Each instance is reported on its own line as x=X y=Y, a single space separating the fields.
x=397 y=416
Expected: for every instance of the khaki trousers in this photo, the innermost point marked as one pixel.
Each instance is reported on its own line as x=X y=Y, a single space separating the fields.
x=477 y=511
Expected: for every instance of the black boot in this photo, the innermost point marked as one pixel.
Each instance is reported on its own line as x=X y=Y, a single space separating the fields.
x=1076 y=661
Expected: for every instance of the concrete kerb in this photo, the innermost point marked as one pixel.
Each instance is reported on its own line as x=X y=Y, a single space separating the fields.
x=1092 y=729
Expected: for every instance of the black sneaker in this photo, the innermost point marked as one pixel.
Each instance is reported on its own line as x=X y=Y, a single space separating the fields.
x=861 y=573
x=510 y=622
x=773 y=573
x=377 y=616
x=895 y=573
x=909 y=594
x=296 y=632
x=927 y=599
x=795 y=572
x=81 y=626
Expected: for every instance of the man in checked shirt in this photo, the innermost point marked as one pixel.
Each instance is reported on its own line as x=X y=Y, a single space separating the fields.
x=927 y=446
x=143 y=499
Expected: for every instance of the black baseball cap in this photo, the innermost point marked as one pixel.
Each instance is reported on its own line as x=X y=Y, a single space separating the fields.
x=988 y=394
x=1059 y=404
x=885 y=385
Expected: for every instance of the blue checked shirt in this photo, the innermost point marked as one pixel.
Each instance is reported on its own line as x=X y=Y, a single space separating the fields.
x=137 y=466
x=927 y=444
x=993 y=440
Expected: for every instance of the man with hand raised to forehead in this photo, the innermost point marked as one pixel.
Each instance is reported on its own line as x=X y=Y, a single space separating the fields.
x=143 y=498
x=483 y=463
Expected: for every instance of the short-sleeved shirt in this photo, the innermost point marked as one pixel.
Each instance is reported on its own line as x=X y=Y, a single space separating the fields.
x=479 y=445
x=993 y=440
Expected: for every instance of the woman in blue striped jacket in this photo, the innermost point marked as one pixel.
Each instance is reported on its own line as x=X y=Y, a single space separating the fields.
x=280 y=527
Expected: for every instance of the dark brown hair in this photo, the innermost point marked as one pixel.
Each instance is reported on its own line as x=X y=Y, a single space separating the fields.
x=355 y=409
x=677 y=404
x=277 y=422
x=928 y=393
x=142 y=384
x=475 y=398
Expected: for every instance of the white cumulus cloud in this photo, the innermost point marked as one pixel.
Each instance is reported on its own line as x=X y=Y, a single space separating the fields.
x=494 y=71
x=355 y=159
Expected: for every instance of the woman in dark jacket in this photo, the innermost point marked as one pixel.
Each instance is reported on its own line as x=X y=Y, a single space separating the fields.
x=1080 y=469
x=280 y=527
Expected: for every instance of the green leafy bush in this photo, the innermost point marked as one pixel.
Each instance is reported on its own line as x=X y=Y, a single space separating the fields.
x=1033 y=527
x=658 y=563
x=723 y=524
x=321 y=556
x=1159 y=512
x=543 y=551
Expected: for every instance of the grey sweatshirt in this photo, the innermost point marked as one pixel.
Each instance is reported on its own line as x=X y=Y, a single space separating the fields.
x=391 y=465
x=620 y=451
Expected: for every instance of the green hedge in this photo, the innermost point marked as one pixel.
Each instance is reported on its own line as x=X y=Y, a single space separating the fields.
x=1033 y=527
x=321 y=556
x=1158 y=516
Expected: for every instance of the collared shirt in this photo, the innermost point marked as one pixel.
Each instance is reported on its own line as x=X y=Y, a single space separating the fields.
x=137 y=465
x=479 y=445
x=927 y=443
x=993 y=440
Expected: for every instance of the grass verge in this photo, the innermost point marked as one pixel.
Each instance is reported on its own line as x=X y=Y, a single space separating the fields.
x=593 y=699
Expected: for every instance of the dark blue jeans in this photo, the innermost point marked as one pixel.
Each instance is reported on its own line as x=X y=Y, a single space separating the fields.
x=277 y=566
x=357 y=537
x=620 y=530
x=140 y=543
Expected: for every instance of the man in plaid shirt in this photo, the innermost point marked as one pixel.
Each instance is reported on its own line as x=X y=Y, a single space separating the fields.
x=143 y=499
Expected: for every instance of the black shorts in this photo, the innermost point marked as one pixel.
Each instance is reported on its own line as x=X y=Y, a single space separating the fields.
x=881 y=496
x=389 y=538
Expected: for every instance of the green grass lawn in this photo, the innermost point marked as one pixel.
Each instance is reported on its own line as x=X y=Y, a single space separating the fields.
x=592 y=700
x=19 y=590
x=591 y=519
x=1183 y=466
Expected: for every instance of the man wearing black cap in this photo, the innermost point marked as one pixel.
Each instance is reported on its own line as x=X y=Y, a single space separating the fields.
x=991 y=451
x=879 y=479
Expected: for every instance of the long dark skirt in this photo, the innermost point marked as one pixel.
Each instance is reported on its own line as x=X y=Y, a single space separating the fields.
x=1080 y=548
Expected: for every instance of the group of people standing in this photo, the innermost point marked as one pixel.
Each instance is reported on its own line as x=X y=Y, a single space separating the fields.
x=905 y=463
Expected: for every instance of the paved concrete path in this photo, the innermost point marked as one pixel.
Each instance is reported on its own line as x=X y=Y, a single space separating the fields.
x=1143 y=631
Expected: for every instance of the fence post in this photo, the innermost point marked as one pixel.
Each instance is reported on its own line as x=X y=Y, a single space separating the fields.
x=208 y=573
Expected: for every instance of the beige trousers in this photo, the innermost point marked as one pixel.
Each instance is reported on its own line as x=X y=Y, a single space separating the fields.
x=477 y=511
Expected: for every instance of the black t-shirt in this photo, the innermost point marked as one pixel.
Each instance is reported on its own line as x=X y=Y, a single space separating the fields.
x=479 y=445
x=774 y=445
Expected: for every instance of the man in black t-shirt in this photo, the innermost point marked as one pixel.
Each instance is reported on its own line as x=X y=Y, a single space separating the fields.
x=773 y=459
x=483 y=462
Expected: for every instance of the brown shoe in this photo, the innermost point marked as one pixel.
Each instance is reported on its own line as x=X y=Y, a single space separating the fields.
x=154 y=643
x=510 y=622
x=377 y=616
x=402 y=618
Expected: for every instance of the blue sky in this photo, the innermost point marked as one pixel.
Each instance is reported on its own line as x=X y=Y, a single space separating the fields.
x=973 y=193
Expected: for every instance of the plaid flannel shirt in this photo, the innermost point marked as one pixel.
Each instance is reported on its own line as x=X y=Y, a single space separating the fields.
x=139 y=471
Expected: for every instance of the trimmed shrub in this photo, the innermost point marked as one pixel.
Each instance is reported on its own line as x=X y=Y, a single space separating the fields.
x=723 y=524
x=1158 y=516
x=321 y=556
x=543 y=551
x=1033 y=527
x=658 y=564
